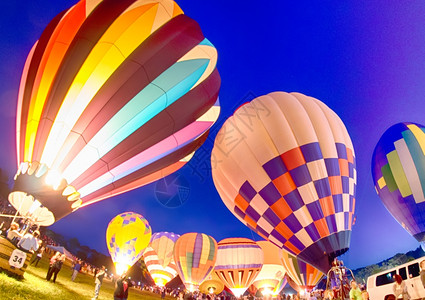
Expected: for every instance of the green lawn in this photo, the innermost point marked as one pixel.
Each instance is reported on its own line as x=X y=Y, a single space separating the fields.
x=35 y=287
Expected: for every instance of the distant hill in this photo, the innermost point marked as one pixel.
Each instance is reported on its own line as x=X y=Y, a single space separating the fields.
x=362 y=274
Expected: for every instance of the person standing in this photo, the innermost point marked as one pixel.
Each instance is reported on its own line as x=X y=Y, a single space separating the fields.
x=76 y=269
x=51 y=263
x=355 y=292
x=39 y=255
x=400 y=288
x=57 y=266
x=98 y=281
x=121 y=289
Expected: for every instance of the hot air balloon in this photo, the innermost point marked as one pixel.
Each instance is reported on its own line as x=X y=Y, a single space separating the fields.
x=304 y=275
x=195 y=256
x=284 y=166
x=239 y=260
x=272 y=272
x=114 y=95
x=159 y=259
x=398 y=171
x=280 y=286
x=211 y=285
x=127 y=236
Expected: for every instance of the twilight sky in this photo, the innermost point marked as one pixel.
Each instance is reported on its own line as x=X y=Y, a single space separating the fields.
x=364 y=59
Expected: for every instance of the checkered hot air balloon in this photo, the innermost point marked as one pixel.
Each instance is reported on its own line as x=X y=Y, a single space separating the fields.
x=114 y=95
x=158 y=257
x=127 y=236
x=305 y=276
x=398 y=171
x=239 y=261
x=195 y=255
x=284 y=166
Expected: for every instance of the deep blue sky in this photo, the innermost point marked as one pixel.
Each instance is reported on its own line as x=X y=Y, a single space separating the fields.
x=364 y=59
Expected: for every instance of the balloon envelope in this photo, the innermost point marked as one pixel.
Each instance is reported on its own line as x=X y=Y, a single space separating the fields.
x=195 y=255
x=304 y=275
x=239 y=256
x=284 y=166
x=280 y=286
x=398 y=171
x=163 y=244
x=159 y=259
x=272 y=272
x=127 y=236
x=161 y=275
x=211 y=285
x=114 y=95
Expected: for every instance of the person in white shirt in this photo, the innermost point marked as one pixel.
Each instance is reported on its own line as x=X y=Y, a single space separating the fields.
x=13 y=233
x=29 y=241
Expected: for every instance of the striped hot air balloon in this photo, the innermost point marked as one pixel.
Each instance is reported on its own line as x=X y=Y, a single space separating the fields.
x=114 y=95
x=239 y=261
x=159 y=258
x=195 y=255
x=284 y=166
x=272 y=272
x=280 y=286
x=398 y=171
x=304 y=275
x=127 y=236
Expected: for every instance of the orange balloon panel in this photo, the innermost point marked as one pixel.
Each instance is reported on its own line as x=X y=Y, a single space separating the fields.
x=195 y=255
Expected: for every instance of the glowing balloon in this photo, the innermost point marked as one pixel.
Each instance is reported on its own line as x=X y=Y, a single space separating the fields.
x=195 y=255
x=114 y=95
x=211 y=285
x=284 y=166
x=272 y=272
x=159 y=259
x=163 y=244
x=239 y=256
x=304 y=275
x=398 y=170
x=280 y=286
x=127 y=236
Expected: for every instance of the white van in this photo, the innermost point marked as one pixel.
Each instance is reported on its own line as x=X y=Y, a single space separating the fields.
x=380 y=285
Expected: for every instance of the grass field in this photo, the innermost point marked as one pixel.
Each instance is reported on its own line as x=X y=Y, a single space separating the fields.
x=35 y=287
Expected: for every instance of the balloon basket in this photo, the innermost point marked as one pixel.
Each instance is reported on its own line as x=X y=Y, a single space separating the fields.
x=6 y=250
x=338 y=281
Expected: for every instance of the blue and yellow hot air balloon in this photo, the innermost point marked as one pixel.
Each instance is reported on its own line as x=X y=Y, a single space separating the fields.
x=114 y=95
x=398 y=171
x=284 y=165
x=127 y=236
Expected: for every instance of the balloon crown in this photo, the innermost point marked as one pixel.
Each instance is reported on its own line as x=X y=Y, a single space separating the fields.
x=48 y=191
